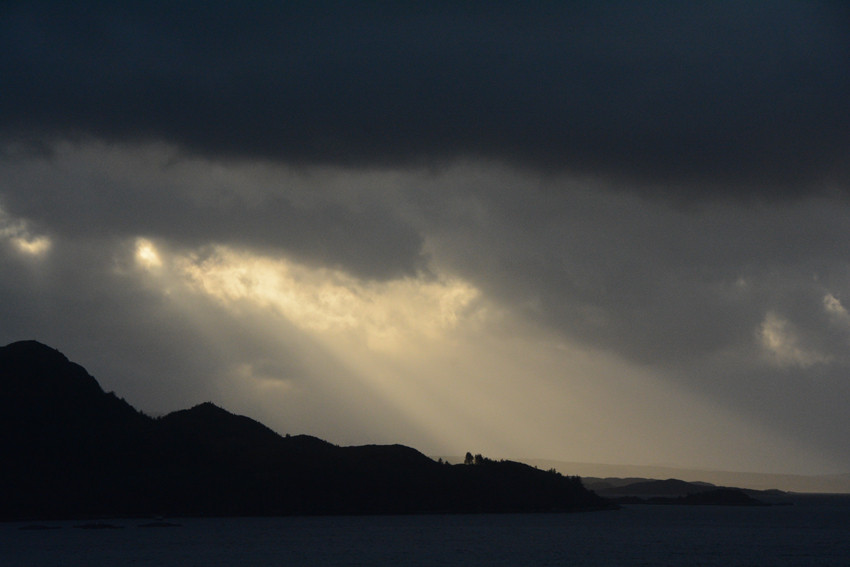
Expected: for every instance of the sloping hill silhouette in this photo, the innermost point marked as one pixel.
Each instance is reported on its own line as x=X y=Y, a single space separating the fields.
x=72 y=450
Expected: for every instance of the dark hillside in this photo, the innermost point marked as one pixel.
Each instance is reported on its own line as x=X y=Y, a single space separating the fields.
x=64 y=440
x=518 y=487
x=71 y=450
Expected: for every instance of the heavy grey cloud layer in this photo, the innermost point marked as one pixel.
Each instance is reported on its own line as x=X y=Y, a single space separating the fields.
x=103 y=193
x=744 y=97
x=664 y=185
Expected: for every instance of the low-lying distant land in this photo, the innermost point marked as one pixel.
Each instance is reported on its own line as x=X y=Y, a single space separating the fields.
x=72 y=451
x=824 y=484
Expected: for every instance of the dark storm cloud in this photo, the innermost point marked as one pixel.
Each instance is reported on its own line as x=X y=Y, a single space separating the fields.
x=724 y=96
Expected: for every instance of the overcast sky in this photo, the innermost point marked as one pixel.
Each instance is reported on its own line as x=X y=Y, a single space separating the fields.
x=608 y=232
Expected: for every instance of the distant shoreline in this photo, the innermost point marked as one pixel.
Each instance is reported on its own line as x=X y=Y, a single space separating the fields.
x=808 y=484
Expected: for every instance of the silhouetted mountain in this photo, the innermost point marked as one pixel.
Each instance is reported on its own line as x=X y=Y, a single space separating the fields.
x=71 y=450
x=64 y=440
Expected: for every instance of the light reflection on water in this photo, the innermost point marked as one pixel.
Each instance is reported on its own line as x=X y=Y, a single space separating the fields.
x=812 y=532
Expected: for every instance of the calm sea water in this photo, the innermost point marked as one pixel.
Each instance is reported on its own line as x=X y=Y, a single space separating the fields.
x=814 y=531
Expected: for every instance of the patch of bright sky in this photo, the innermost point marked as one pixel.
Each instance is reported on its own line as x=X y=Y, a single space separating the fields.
x=146 y=254
x=782 y=343
x=833 y=305
x=390 y=316
x=19 y=234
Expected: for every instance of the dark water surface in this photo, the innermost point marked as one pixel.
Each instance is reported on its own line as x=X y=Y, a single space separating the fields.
x=814 y=531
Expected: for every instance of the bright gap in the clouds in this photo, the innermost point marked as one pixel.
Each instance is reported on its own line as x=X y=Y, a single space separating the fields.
x=20 y=235
x=146 y=254
x=785 y=344
x=391 y=316
x=782 y=343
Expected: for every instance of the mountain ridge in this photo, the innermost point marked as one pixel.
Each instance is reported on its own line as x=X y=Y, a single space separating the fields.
x=72 y=450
